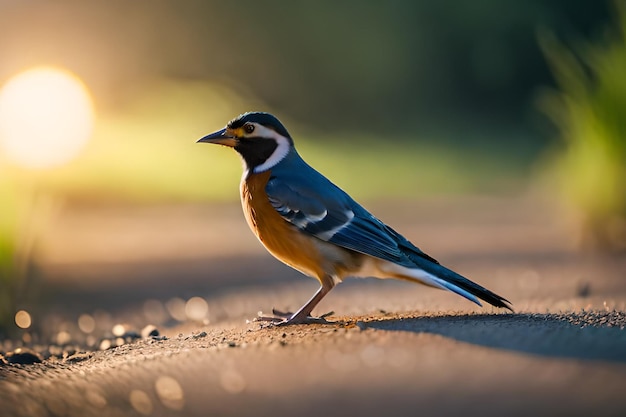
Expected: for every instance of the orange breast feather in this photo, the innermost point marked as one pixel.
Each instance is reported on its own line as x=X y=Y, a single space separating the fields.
x=279 y=237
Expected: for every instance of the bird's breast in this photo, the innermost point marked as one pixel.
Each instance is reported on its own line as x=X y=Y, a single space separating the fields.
x=280 y=238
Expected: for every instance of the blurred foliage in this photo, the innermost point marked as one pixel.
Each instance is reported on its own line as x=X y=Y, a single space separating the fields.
x=10 y=265
x=356 y=66
x=16 y=246
x=447 y=82
x=589 y=112
x=145 y=151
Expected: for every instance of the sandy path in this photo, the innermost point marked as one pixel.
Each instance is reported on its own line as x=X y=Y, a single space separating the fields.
x=395 y=349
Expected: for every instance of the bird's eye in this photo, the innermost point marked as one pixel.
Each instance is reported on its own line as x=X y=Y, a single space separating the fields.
x=249 y=128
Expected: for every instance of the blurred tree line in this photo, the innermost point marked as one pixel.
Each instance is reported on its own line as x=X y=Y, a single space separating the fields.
x=396 y=64
x=353 y=65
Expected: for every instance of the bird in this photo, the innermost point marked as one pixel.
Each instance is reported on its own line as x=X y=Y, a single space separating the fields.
x=311 y=225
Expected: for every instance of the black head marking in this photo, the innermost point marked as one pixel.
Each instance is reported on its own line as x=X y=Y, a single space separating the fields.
x=256 y=151
x=262 y=118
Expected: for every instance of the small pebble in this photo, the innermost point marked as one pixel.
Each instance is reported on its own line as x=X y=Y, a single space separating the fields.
x=21 y=356
x=149 y=331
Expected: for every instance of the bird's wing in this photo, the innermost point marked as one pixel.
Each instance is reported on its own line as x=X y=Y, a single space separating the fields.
x=321 y=209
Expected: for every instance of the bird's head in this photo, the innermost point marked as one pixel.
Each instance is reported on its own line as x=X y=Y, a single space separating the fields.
x=260 y=139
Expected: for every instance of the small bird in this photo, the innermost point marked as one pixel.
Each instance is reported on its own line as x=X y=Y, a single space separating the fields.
x=310 y=224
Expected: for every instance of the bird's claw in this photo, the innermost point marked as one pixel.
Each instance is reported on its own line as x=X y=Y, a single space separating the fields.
x=281 y=318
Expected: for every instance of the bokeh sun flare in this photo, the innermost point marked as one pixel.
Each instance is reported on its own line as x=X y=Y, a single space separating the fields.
x=46 y=117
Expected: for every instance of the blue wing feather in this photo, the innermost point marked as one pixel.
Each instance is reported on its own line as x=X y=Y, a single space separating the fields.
x=309 y=201
x=366 y=234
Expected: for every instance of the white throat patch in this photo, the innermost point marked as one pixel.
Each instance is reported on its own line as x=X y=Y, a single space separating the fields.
x=282 y=148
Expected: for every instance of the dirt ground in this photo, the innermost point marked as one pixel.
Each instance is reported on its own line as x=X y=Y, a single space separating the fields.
x=394 y=348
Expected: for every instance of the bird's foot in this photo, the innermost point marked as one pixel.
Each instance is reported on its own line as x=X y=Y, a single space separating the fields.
x=281 y=318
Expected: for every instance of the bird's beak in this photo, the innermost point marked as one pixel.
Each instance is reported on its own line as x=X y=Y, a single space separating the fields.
x=221 y=137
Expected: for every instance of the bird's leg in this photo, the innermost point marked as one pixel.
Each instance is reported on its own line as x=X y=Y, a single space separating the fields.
x=303 y=315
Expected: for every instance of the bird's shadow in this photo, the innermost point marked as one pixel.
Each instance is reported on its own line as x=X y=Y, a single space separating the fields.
x=573 y=336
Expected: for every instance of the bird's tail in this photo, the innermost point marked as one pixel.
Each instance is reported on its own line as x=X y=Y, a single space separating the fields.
x=430 y=272
x=438 y=276
x=457 y=283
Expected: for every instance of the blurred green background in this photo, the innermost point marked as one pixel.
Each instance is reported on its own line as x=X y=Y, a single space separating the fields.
x=455 y=81
x=396 y=99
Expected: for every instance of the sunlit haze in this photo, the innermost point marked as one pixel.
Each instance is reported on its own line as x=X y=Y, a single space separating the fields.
x=46 y=117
